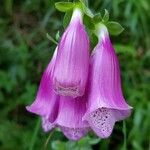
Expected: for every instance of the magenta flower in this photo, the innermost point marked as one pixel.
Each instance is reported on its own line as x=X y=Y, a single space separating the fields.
x=106 y=104
x=46 y=103
x=59 y=111
x=72 y=61
x=70 y=115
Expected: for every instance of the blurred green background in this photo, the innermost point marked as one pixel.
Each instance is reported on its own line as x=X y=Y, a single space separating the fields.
x=25 y=51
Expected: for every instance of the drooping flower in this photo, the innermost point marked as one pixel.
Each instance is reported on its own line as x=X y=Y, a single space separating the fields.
x=72 y=61
x=70 y=115
x=46 y=103
x=106 y=104
x=58 y=111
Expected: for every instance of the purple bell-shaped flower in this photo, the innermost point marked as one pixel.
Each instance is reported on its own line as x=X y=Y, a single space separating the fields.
x=106 y=104
x=72 y=61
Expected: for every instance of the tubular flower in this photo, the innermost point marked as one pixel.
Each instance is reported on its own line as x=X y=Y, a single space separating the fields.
x=72 y=61
x=70 y=115
x=106 y=104
x=46 y=103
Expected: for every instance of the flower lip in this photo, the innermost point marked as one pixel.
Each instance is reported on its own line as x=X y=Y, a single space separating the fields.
x=69 y=118
x=102 y=120
x=106 y=107
x=47 y=125
x=72 y=91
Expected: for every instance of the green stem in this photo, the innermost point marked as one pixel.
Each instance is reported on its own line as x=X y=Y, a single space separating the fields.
x=51 y=39
x=33 y=139
x=125 y=136
x=86 y=3
x=47 y=140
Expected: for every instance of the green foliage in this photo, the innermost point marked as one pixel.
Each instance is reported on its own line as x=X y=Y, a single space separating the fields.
x=106 y=16
x=88 y=22
x=97 y=17
x=25 y=52
x=64 y=6
x=84 y=144
x=114 y=28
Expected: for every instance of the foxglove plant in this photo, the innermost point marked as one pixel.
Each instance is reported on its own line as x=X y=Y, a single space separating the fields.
x=61 y=99
x=46 y=103
x=72 y=61
x=106 y=104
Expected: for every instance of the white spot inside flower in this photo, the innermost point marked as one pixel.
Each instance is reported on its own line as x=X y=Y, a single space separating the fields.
x=102 y=121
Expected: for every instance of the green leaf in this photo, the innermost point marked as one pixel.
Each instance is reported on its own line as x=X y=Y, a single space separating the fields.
x=93 y=40
x=106 y=16
x=64 y=6
x=128 y=49
x=97 y=18
x=114 y=28
x=88 y=22
x=94 y=141
x=51 y=38
x=86 y=10
x=67 y=18
x=57 y=36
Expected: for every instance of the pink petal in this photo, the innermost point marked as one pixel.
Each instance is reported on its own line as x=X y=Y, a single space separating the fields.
x=46 y=103
x=70 y=116
x=47 y=125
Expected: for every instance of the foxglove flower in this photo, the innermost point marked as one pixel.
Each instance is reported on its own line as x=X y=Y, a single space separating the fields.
x=70 y=115
x=72 y=61
x=106 y=104
x=46 y=103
